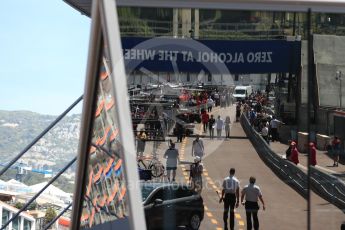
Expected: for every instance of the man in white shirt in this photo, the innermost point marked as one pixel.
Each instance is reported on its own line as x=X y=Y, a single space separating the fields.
x=252 y=193
x=274 y=128
x=231 y=198
x=216 y=98
x=198 y=147
x=264 y=133
x=219 y=126
x=209 y=104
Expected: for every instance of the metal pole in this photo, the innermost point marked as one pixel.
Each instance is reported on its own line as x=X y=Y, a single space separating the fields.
x=310 y=88
x=341 y=93
x=57 y=217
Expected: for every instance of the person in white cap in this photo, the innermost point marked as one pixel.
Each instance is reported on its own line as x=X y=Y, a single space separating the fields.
x=198 y=147
x=196 y=174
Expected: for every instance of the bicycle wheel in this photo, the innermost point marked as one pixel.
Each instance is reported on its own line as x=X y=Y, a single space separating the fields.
x=141 y=165
x=157 y=169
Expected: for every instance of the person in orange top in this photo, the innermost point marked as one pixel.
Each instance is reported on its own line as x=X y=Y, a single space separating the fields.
x=294 y=153
x=312 y=153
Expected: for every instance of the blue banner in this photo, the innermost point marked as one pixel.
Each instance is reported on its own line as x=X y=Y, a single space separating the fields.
x=213 y=56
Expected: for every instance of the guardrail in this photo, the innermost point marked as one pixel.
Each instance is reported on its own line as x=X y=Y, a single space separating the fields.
x=327 y=186
x=284 y=169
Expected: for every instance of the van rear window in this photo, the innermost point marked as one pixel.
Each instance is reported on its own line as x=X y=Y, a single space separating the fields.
x=240 y=91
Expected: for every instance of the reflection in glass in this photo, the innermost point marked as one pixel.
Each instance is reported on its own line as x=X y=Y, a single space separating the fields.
x=105 y=197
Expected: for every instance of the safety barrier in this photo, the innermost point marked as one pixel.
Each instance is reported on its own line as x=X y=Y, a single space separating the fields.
x=327 y=186
x=284 y=169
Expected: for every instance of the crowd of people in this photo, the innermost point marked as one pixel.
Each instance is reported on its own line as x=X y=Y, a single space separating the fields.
x=206 y=100
x=260 y=118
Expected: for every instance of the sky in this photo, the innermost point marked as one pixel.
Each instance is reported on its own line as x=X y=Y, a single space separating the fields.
x=43 y=55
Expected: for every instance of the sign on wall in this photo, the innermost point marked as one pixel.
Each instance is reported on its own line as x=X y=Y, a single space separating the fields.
x=190 y=55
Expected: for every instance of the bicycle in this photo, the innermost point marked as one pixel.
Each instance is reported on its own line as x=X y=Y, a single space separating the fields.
x=154 y=165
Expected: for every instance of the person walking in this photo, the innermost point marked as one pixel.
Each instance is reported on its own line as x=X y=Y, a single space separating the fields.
x=204 y=118
x=264 y=133
x=274 y=128
x=216 y=98
x=198 y=147
x=294 y=153
x=210 y=103
x=252 y=117
x=219 y=126
x=227 y=123
x=172 y=156
x=179 y=132
x=288 y=150
x=211 y=125
x=336 y=150
x=230 y=197
x=312 y=150
x=252 y=193
x=195 y=176
x=141 y=138
x=238 y=111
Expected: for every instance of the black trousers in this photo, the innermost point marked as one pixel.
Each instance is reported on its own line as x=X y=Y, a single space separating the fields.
x=229 y=202
x=211 y=132
x=252 y=211
x=274 y=133
x=205 y=126
x=179 y=137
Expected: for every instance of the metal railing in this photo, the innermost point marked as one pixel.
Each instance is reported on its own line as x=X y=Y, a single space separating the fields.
x=326 y=186
x=286 y=170
x=207 y=30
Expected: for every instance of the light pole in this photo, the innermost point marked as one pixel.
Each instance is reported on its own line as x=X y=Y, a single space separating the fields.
x=338 y=77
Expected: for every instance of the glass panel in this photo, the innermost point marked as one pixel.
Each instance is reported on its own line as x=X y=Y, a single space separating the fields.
x=5 y=216
x=249 y=68
x=27 y=224
x=16 y=223
x=106 y=191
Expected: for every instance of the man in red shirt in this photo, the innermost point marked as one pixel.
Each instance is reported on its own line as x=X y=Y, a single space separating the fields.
x=312 y=153
x=294 y=153
x=204 y=118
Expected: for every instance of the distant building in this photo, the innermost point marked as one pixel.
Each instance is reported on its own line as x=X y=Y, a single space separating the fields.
x=24 y=222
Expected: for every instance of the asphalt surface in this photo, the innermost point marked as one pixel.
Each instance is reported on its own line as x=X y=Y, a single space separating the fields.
x=285 y=208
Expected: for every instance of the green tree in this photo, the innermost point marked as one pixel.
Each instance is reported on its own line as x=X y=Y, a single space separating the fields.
x=18 y=205
x=32 y=206
x=50 y=215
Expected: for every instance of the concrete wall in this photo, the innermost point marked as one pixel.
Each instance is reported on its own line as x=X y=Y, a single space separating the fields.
x=324 y=121
x=329 y=57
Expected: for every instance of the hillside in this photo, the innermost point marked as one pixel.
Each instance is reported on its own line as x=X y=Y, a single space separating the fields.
x=55 y=149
